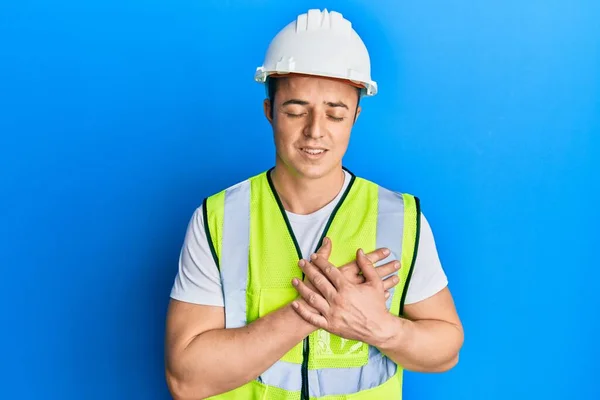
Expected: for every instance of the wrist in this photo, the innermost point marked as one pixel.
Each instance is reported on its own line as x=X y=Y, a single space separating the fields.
x=392 y=331
x=302 y=325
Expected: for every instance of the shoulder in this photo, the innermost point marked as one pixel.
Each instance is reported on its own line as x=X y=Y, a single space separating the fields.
x=392 y=196
x=234 y=187
x=384 y=189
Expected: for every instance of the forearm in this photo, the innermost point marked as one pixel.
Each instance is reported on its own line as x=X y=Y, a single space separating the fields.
x=223 y=359
x=422 y=346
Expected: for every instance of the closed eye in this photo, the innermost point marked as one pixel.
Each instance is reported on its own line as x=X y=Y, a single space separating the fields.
x=336 y=119
x=291 y=115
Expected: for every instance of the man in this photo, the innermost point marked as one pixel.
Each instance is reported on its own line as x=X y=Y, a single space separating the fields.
x=275 y=297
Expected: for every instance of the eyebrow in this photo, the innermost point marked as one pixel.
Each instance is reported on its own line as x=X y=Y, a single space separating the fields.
x=336 y=104
x=304 y=103
x=295 y=101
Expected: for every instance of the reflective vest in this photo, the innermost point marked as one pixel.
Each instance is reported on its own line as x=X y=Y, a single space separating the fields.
x=257 y=254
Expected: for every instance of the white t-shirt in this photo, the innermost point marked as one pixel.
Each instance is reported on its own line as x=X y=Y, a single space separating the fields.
x=198 y=279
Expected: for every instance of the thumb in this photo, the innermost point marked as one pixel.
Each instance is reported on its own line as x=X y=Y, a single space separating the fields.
x=325 y=249
x=366 y=266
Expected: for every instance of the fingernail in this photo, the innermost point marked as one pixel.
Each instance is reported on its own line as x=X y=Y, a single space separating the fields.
x=326 y=240
x=396 y=265
x=313 y=257
x=360 y=251
x=386 y=252
x=301 y=263
x=295 y=282
x=295 y=305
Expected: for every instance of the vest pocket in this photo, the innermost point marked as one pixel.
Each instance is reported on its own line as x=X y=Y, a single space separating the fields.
x=331 y=351
x=271 y=299
x=326 y=350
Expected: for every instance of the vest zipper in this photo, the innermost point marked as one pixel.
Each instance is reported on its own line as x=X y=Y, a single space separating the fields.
x=304 y=393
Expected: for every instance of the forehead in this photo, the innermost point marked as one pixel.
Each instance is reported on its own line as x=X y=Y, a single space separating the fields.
x=314 y=87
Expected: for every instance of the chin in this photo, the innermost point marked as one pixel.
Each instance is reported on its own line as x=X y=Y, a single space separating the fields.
x=313 y=171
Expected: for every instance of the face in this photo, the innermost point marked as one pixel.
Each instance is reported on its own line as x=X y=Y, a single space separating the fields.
x=312 y=120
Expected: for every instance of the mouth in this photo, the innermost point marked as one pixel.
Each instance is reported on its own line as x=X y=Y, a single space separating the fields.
x=313 y=153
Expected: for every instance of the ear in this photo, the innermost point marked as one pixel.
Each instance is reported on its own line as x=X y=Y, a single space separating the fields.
x=267 y=110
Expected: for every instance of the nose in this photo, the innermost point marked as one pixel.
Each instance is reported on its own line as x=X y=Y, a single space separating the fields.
x=314 y=127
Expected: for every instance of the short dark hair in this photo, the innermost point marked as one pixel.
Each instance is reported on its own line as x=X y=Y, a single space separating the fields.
x=272 y=89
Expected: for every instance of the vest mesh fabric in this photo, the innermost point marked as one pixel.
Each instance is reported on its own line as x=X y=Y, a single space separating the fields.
x=349 y=231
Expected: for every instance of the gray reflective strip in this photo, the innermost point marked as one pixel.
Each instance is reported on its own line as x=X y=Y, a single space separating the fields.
x=283 y=375
x=390 y=228
x=332 y=381
x=234 y=253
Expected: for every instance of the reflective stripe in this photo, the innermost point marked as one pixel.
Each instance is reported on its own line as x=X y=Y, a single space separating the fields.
x=234 y=257
x=332 y=381
x=284 y=375
x=390 y=226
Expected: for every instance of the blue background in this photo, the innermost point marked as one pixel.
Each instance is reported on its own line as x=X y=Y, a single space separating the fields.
x=118 y=117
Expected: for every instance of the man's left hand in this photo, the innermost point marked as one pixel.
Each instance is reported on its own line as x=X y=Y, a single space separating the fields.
x=349 y=310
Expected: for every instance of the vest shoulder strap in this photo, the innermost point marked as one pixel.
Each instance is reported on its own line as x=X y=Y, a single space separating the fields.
x=213 y=210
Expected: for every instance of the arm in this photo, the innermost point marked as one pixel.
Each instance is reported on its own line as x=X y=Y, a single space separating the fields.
x=428 y=340
x=204 y=359
x=428 y=336
x=197 y=341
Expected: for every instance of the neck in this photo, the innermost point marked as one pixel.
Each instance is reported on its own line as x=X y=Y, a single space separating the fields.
x=300 y=195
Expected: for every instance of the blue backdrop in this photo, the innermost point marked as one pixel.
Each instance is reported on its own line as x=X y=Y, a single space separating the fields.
x=118 y=117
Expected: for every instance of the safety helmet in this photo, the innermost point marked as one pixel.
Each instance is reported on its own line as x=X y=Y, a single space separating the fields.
x=319 y=43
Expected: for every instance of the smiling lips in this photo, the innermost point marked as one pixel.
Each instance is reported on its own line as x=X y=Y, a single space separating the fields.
x=313 y=152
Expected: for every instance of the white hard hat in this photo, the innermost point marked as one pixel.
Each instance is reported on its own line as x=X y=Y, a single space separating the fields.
x=319 y=43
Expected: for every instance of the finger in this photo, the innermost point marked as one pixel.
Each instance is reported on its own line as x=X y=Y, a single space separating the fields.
x=331 y=272
x=378 y=255
x=388 y=268
x=352 y=277
x=306 y=306
x=325 y=249
x=318 y=280
x=374 y=257
x=366 y=267
x=312 y=318
x=390 y=282
x=313 y=298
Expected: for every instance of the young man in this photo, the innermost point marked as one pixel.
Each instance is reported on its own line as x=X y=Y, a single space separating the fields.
x=275 y=297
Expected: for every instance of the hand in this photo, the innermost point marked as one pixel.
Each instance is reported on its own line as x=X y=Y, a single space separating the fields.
x=325 y=252
x=346 y=309
x=352 y=271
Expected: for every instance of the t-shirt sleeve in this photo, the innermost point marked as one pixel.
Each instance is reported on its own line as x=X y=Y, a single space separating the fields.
x=198 y=280
x=428 y=277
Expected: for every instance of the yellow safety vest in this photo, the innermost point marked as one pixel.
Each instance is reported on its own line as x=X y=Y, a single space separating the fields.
x=257 y=255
